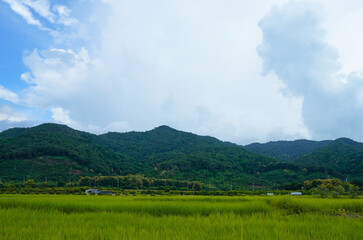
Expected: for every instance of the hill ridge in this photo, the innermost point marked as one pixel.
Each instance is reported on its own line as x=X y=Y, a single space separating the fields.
x=163 y=152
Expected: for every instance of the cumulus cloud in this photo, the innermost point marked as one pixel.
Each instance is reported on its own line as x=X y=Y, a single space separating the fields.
x=62 y=116
x=193 y=65
x=27 y=77
x=176 y=67
x=64 y=15
x=60 y=78
x=8 y=95
x=294 y=47
x=8 y=114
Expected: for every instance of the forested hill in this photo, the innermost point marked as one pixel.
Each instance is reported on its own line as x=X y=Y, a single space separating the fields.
x=163 y=140
x=343 y=155
x=57 y=152
x=286 y=150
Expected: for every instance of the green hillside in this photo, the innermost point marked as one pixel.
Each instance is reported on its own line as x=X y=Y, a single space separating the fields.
x=57 y=152
x=182 y=155
x=343 y=156
x=286 y=150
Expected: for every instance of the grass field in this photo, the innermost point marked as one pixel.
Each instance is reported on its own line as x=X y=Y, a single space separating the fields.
x=187 y=217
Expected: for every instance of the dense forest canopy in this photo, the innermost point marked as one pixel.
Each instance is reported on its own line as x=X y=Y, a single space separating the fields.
x=59 y=153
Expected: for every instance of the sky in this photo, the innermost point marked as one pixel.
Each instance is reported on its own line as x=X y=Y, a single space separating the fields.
x=241 y=71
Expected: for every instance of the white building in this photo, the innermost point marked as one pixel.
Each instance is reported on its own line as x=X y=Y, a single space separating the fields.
x=92 y=191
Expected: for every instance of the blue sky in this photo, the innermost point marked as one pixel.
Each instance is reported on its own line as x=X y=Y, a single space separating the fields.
x=17 y=37
x=238 y=70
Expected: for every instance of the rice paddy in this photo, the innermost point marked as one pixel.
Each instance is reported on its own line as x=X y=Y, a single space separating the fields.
x=178 y=217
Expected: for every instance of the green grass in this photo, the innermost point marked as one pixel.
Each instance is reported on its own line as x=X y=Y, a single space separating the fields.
x=156 y=206
x=187 y=217
x=317 y=205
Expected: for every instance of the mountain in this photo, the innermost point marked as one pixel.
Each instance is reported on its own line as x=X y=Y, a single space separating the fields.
x=164 y=139
x=182 y=155
x=343 y=157
x=55 y=152
x=60 y=153
x=288 y=151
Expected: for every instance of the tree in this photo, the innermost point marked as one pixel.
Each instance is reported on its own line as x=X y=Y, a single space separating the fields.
x=85 y=181
x=322 y=191
x=197 y=186
x=351 y=190
x=333 y=187
x=61 y=184
x=337 y=191
x=357 y=183
x=30 y=183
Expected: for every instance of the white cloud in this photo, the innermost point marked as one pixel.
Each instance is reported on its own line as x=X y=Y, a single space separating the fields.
x=42 y=7
x=21 y=9
x=175 y=67
x=8 y=95
x=295 y=48
x=62 y=116
x=112 y=127
x=9 y=115
x=64 y=15
x=344 y=32
x=56 y=19
x=193 y=65
x=59 y=76
x=27 y=77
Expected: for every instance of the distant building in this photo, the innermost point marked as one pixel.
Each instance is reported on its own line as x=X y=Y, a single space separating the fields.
x=91 y=191
x=270 y=194
x=296 y=193
x=97 y=192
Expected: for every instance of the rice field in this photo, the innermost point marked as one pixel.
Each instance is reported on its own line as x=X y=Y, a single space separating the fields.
x=178 y=217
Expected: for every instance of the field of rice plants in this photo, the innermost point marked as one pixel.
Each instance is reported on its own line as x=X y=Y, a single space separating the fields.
x=179 y=217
